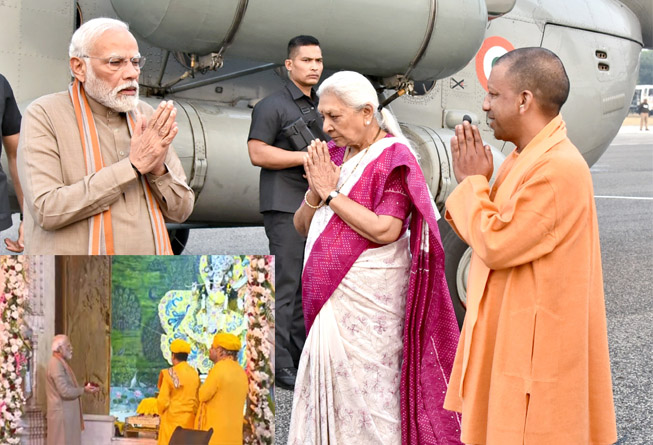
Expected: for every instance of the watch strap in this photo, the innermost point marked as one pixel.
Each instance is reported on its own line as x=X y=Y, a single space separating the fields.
x=332 y=195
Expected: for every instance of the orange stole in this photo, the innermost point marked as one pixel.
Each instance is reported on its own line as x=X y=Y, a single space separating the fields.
x=100 y=228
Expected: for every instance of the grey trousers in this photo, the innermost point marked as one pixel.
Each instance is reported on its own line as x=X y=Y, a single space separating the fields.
x=288 y=248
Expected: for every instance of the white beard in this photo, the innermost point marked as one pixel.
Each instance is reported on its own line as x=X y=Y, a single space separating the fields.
x=100 y=91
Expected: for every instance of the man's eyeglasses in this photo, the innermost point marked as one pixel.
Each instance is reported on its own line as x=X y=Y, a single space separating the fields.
x=118 y=63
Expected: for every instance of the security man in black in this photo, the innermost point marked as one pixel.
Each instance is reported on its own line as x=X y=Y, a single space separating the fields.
x=9 y=133
x=283 y=124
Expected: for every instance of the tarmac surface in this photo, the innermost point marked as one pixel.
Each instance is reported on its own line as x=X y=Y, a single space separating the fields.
x=623 y=185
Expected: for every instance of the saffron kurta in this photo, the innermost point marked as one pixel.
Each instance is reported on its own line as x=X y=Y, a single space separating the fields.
x=222 y=403
x=532 y=365
x=177 y=401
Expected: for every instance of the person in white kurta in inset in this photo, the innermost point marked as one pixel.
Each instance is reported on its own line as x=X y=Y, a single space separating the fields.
x=64 y=413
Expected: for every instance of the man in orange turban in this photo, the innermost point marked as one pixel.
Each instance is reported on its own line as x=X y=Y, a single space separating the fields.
x=222 y=396
x=177 y=401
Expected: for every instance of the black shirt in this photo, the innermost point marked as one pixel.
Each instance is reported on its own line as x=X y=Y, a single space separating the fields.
x=643 y=108
x=9 y=125
x=9 y=114
x=283 y=190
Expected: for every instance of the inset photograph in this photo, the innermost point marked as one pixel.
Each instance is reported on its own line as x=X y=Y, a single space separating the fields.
x=137 y=349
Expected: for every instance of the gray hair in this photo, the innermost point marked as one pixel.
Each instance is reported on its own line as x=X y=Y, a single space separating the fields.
x=58 y=341
x=356 y=91
x=87 y=34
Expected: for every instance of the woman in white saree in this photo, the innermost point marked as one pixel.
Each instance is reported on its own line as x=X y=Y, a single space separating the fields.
x=381 y=328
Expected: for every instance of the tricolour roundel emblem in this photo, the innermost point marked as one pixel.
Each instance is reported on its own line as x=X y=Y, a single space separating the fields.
x=492 y=48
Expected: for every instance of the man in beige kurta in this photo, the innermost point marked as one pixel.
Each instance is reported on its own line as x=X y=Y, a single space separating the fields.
x=61 y=197
x=64 y=413
x=532 y=365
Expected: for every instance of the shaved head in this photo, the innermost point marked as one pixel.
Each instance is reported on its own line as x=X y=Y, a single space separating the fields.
x=541 y=72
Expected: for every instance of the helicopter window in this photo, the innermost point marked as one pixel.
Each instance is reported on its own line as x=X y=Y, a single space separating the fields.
x=423 y=87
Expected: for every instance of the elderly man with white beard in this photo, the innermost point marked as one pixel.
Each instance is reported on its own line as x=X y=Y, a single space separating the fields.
x=98 y=170
x=65 y=423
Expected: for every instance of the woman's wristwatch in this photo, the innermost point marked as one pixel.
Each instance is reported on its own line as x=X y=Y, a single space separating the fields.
x=332 y=195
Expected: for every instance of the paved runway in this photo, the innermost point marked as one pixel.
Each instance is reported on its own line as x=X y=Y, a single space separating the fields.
x=623 y=182
x=623 y=186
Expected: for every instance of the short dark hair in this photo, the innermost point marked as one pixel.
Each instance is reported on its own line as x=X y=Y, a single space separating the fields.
x=181 y=356
x=298 y=41
x=542 y=73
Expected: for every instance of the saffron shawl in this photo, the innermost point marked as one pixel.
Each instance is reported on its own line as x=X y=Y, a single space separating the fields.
x=100 y=238
x=552 y=134
x=430 y=330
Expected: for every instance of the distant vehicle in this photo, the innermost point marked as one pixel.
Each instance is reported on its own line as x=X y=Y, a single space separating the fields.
x=216 y=59
x=641 y=92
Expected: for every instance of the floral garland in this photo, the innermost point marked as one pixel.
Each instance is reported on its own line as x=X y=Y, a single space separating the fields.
x=14 y=349
x=260 y=314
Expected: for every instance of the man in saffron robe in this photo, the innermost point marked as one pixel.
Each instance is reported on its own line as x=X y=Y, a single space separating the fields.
x=223 y=393
x=65 y=422
x=177 y=400
x=532 y=364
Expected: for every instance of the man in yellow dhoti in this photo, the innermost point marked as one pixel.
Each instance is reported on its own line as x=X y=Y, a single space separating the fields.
x=177 y=401
x=222 y=396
